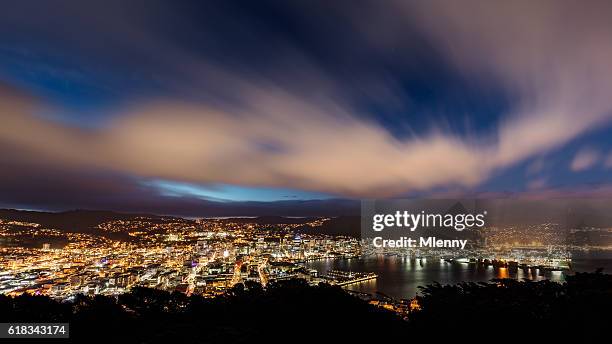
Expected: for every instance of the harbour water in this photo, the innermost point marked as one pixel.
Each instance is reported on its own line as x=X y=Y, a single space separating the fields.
x=400 y=277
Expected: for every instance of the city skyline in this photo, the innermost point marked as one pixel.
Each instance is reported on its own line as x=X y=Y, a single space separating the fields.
x=298 y=106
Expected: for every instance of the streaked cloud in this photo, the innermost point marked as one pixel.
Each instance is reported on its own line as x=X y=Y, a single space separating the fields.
x=300 y=126
x=585 y=158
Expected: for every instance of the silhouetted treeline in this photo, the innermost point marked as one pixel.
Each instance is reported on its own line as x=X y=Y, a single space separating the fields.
x=284 y=312
x=292 y=311
x=520 y=309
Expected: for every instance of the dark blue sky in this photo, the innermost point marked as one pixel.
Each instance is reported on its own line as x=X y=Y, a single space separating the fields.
x=195 y=102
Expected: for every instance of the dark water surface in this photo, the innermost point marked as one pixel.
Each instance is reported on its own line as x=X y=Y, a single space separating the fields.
x=399 y=277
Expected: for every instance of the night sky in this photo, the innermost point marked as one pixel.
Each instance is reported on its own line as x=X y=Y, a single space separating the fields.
x=300 y=107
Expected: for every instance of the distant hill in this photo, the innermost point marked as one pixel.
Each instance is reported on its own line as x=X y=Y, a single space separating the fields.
x=72 y=221
x=342 y=225
x=270 y=220
x=85 y=220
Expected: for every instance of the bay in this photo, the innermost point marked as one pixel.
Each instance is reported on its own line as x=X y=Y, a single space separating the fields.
x=399 y=277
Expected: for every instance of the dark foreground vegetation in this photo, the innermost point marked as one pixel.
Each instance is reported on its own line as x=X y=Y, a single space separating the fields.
x=292 y=311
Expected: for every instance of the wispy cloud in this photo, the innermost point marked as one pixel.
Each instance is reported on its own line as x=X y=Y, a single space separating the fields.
x=585 y=159
x=262 y=130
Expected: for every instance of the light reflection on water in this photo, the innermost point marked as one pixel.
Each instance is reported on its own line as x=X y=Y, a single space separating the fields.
x=399 y=277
